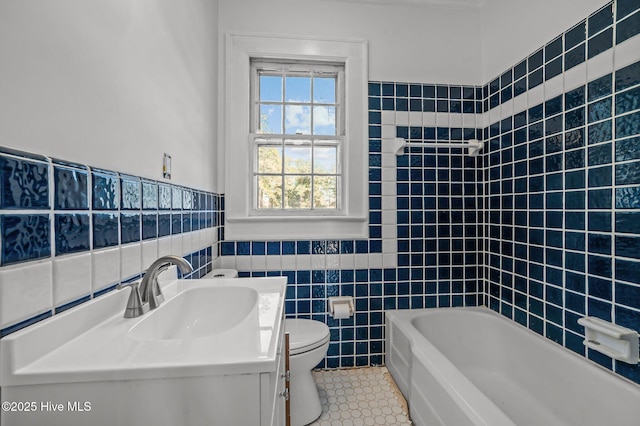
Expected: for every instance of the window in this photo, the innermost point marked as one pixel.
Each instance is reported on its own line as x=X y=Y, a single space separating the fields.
x=295 y=151
x=297 y=134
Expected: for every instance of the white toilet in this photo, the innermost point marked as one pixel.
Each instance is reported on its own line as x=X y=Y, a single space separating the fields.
x=308 y=344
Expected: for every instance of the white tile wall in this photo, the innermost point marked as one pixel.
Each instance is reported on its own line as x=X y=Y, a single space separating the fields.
x=130 y=260
x=575 y=77
x=258 y=263
x=347 y=261
x=164 y=246
x=149 y=253
x=519 y=104
x=176 y=244
x=105 y=268
x=19 y=302
x=71 y=278
x=626 y=53
x=554 y=87
x=600 y=65
x=288 y=263
x=535 y=96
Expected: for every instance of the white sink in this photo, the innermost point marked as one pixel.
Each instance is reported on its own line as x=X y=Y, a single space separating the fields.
x=197 y=313
x=197 y=359
x=204 y=327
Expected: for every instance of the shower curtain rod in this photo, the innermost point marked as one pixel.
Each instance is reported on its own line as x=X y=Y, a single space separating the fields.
x=473 y=146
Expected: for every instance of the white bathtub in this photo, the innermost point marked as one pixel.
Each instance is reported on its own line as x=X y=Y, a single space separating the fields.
x=470 y=366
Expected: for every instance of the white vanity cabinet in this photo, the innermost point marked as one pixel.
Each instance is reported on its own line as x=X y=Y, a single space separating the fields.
x=83 y=367
x=241 y=399
x=275 y=390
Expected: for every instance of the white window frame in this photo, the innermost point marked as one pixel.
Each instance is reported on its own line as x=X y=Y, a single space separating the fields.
x=294 y=67
x=241 y=219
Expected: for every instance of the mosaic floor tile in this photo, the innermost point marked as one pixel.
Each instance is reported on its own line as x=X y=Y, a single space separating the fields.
x=359 y=396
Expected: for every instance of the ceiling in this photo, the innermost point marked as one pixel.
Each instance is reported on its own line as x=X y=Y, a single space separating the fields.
x=454 y=4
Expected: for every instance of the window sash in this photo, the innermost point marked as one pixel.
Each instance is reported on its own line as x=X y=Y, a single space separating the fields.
x=283 y=141
x=284 y=69
x=296 y=69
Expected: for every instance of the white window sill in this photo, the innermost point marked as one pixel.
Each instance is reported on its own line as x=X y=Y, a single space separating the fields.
x=295 y=227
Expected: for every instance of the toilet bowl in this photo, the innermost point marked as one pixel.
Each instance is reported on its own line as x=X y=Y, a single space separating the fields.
x=308 y=344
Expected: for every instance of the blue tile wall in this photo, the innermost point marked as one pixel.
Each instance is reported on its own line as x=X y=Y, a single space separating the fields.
x=70 y=185
x=25 y=237
x=24 y=183
x=51 y=208
x=438 y=237
x=105 y=230
x=72 y=233
x=543 y=227
x=561 y=239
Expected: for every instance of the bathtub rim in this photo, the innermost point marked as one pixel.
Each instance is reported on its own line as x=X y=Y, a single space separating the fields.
x=476 y=406
x=402 y=313
x=430 y=355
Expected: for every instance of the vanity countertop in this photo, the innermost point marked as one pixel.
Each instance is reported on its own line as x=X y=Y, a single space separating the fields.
x=93 y=342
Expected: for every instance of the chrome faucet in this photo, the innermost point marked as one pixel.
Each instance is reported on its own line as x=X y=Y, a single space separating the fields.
x=146 y=294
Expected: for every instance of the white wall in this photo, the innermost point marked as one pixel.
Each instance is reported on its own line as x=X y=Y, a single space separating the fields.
x=411 y=44
x=513 y=29
x=113 y=84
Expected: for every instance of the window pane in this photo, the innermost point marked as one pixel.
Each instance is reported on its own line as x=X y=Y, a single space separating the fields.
x=324 y=90
x=324 y=120
x=297 y=159
x=297 y=192
x=271 y=88
x=270 y=119
x=325 y=159
x=269 y=192
x=298 y=89
x=300 y=172
x=269 y=159
x=325 y=191
x=297 y=120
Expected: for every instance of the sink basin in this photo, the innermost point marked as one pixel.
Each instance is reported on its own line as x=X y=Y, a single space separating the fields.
x=218 y=337
x=197 y=313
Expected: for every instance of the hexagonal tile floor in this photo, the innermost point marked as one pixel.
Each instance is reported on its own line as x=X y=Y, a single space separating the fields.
x=360 y=396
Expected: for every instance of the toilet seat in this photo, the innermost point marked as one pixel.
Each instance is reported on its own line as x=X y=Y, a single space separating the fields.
x=305 y=335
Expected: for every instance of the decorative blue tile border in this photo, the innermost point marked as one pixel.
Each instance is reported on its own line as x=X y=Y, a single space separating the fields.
x=72 y=233
x=24 y=184
x=70 y=185
x=390 y=96
x=51 y=208
x=116 y=211
x=25 y=237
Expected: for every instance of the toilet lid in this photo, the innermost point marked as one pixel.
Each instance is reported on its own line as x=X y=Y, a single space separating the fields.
x=305 y=335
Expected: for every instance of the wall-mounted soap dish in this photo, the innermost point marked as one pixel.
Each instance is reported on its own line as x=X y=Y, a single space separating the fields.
x=610 y=339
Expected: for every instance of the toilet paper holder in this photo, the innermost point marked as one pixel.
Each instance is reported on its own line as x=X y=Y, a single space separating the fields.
x=340 y=300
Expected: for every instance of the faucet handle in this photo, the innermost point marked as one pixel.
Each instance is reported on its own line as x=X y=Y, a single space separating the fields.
x=135 y=307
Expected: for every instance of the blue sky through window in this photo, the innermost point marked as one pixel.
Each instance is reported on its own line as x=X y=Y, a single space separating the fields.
x=271 y=88
x=271 y=119
x=297 y=118
x=324 y=90
x=298 y=89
